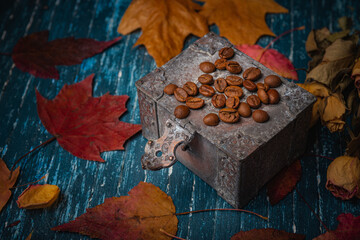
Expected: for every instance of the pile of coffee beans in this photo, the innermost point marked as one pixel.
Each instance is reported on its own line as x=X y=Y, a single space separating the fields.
x=228 y=92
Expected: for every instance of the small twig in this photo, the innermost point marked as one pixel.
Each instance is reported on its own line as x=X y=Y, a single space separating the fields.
x=170 y=235
x=223 y=209
x=5 y=54
x=29 y=182
x=315 y=155
x=301 y=69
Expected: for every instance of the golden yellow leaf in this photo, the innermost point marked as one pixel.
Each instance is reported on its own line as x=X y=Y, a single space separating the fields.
x=38 y=196
x=315 y=88
x=332 y=111
x=165 y=25
x=241 y=21
x=6 y=182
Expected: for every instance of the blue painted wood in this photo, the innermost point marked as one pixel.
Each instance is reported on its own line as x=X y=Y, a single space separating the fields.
x=86 y=184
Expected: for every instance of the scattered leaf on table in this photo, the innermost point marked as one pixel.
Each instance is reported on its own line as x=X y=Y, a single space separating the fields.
x=272 y=59
x=284 y=182
x=332 y=111
x=38 y=196
x=29 y=236
x=35 y=55
x=137 y=216
x=267 y=234
x=6 y=183
x=85 y=125
x=164 y=24
x=241 y=21
x=348 y=229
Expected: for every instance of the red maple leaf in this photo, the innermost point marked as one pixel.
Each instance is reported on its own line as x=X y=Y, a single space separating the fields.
x=35 y=55
x=284 y=182
x=267 y=234
x=85 y=125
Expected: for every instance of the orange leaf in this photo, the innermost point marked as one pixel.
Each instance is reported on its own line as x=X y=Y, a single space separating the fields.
x=6 y=182
x=267 y=234
x=38 y=196
x=241 y=21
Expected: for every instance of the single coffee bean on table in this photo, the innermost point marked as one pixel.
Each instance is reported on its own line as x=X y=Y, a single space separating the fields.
x=181 y=111
x=207 y=67
x=274 y=96
x=233 y=67
x=264 y=97
x=206 y=79
x=194 y=102
x=262 y=86
x=232 y=102
x=190 y=88
x=252 y=74
x=234 y=80
x=229 y=115
x=244 y=110
x=234 y=91
x=180 y=94
x=260 y=116
x=211 y=119
x=170 y=88
x=206 y=90
x=250 y=85
x=273 y=81
x=220 y=64
x=253 y=101
x=218 y=100
x=226 y=52
x=220 y=84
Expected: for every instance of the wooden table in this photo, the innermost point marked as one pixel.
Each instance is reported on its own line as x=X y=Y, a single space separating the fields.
x=85 y=184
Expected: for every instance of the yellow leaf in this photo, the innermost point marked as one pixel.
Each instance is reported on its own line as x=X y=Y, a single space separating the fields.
x=6 y=182
x=38 y=196
x=315 y=88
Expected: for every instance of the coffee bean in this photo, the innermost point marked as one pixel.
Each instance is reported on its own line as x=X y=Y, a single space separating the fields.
x=244 y=110
x=249 y=85
x=220 y=84
x=263 y=86
x=181 y=111
x=194 y=102
x=232 y=102
x=190 y=88
x=206 y=90
x=274 y=96
x=264 y=97
x=234 y=91
x=252 y=74
x=170 y=88
x=229 y=115
x=220 y=64
x=233 y=67
x=211 y=119
x=207 y=67
x=260 y=116
x=218 y=100
x=234 y=80
x=273 y=81
x=180 y=94
x=206 y=79
x=253 y=101
x=226 y=52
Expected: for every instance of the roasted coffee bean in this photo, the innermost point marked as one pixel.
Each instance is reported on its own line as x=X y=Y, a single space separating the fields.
x=260 y=116
x=244 y=110
x=218 y=100
x=253 y=101
x=191 y=88
x=180 y=94
x=207 y=67
x=264 y=97
x=263 y=86
x=206 y=90
x=226 y=52
x=181 y=111
x=170 y=88
x=211 y=119
x=220 y=84
x=233 y=67
x=234 y=80
x=194 y=102
x=220 y=64
x=274 y=96
x=273 y=81
x=234 y=91
x=206 y=79
x=232 y=102
x=252 y=74
x=249 y=85
x=229 y=115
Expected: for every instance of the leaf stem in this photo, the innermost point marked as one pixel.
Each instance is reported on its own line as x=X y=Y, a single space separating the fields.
x=29 y=182
x=223 y=209
x=39 y=146
x=316 y=155
x=5 y=54
x=170 y=235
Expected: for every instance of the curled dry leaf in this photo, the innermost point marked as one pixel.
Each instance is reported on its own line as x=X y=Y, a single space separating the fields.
x=343 y=177
x=140 y=215
x=332 y=111
x=356 y=75
x=6 y=182
x=267 y=234
x=38 y=196
x=353 y=147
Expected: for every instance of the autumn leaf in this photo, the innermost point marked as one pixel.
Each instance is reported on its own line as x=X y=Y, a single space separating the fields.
x=35 y=55
x=6 y=182
x=284 y=182
x=272 y=59
x=348 y=229
x=267 y=234
x=241 y=21
x=137 y=216
x=38 y=196
x=164 y=24
x=85 y=125
x=353 y=147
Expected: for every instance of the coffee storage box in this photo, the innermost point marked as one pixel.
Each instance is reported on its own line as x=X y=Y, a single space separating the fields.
x=235 y=159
